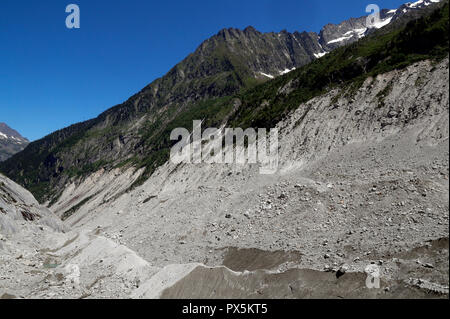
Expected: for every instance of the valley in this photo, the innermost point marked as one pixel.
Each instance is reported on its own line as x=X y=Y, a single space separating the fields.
x=362 y=180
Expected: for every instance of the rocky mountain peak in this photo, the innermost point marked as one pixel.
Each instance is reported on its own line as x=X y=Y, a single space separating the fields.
x=250 y=29
x=11 y=142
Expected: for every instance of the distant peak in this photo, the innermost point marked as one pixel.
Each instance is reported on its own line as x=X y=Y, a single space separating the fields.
x=250 y=29
x=234 y=32
x=7 y=132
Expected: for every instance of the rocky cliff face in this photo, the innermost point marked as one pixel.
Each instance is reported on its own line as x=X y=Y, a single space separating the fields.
x=11 y=142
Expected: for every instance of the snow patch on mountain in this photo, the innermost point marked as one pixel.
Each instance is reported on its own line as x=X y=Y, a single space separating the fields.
x=388 y=16
x=421 y=3
x=267 y=75
x=321 y=54
x=286 y=71
x=382 y=23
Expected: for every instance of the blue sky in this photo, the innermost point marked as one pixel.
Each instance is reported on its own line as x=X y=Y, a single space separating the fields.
x=52 y=77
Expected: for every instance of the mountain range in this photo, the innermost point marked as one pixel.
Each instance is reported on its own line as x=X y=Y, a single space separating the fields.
x=204 y=85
